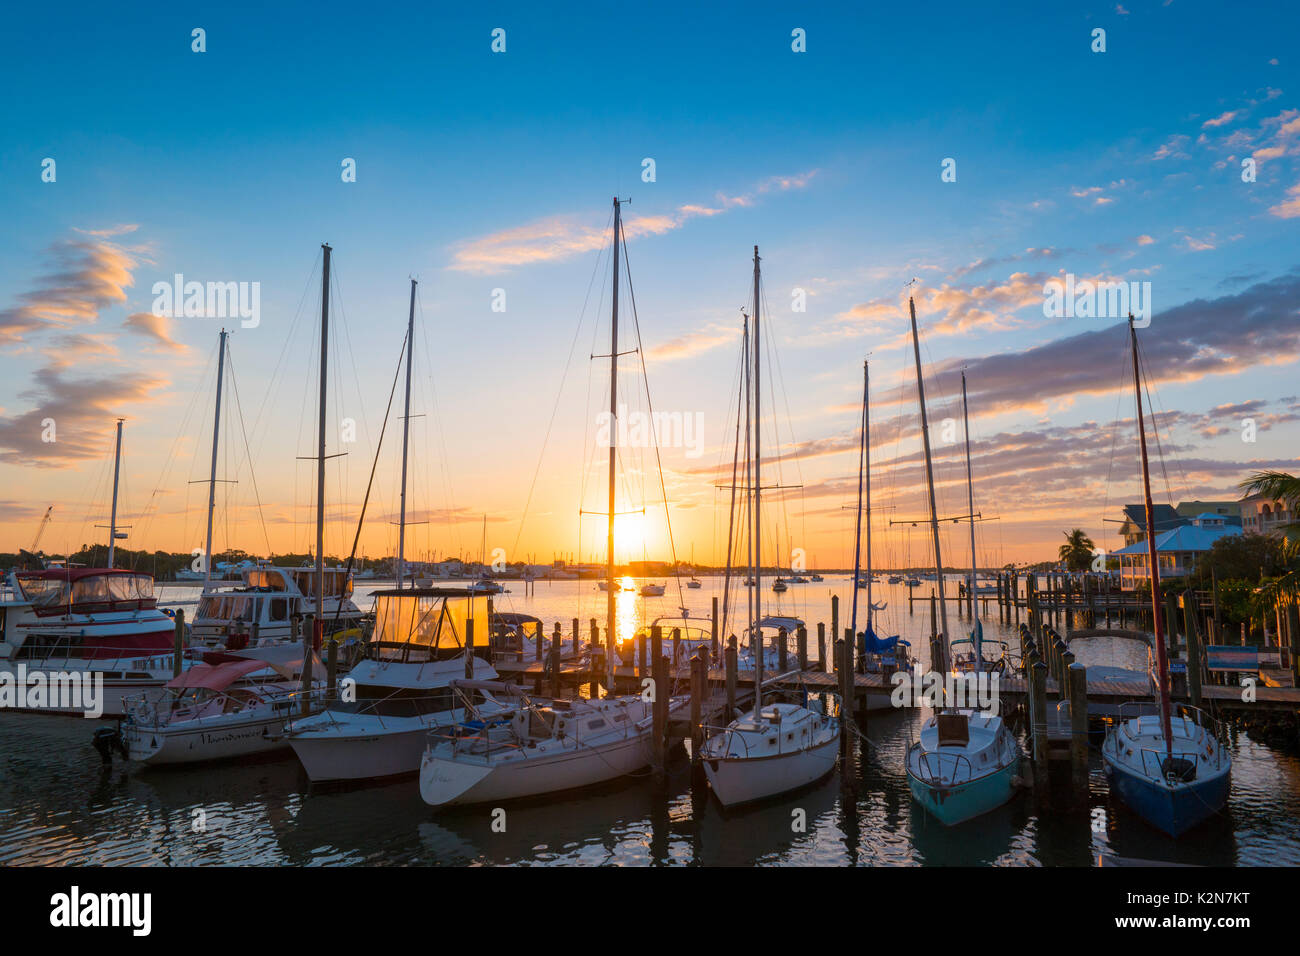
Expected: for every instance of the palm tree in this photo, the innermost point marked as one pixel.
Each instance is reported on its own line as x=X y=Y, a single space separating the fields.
x=1077 y=551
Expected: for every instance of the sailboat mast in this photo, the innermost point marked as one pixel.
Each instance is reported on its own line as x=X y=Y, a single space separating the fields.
x=212 y=477
x=320 y=443
x=866 y=474
x=977 y=632
x=112 y=518
x=406 y=432
x=1162 y=665
x=756 y=636
x=929 y=476
x=610 y=633
x=857 y=526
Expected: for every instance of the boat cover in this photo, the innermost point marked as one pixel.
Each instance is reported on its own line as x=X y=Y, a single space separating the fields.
x=878 y=645
x=215 y=677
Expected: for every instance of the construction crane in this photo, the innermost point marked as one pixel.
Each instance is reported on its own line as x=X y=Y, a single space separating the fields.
x=40 y=530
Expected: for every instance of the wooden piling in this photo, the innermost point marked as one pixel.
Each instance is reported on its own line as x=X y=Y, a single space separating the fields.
x=801 y=646
x=659 y=707
x=308 y=637
x=713 y=631
x=1078 y=676
x=178 y=643
x=821 y=646
x=782 y=650
x=332 y=667
x=1193 y=648
x=699 y=687
x=677 y=647
x=835 y=616
x=731 y=667
x=557 y=642
x=1293 y=625
x=1038 y=725
x=845 y=676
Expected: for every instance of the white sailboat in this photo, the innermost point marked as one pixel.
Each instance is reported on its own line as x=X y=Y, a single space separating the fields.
x=547 y=747
x=879 y=654
x=1171 y=769
x=781 y=746
x=220 y=710
x=965 y=762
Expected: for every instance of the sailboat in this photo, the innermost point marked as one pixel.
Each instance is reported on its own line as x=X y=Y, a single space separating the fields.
x=1170 y=769
x=965 y=763
x=973 y=662
x=551 y=746
x=879 y=652
x=782 y=746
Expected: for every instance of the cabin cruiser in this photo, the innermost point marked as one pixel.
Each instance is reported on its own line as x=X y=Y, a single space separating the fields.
x=220 y=709
x=266 y=603
x=423 y=640
x=542 y=746
x=779 y=586
x=964 y=765
x=97 y=624
x=652 y=590
x=692 y=583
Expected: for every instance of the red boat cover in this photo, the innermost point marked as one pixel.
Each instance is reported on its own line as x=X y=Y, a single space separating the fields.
x=214 y=676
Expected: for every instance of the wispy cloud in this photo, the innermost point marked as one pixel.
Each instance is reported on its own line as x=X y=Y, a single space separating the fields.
x=560 y=237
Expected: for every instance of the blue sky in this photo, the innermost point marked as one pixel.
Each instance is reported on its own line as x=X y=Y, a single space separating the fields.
x=477 y=171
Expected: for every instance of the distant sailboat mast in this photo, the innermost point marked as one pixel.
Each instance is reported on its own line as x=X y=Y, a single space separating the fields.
x=857 y=532
x=756 y=637
x=112 y=517
x=977 y=635
x=1152 y=554
x=406 y=430
x=929 y=481
x=613 y=452
x=212 y=477
x=320 y=444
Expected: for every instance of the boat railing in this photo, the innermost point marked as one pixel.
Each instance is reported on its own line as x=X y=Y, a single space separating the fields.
x=146 y=710
x=62 y=648
x=928 y=775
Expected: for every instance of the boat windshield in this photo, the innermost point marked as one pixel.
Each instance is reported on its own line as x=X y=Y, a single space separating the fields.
x=433 y=621
x=91 y=589
x=228 y=607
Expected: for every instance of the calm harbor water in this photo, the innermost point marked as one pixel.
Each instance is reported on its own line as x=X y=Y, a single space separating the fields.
x=58 y=805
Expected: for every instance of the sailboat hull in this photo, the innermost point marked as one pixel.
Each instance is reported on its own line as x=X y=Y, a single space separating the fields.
x=737 y=782
x=956 y=803
x=1173 y=809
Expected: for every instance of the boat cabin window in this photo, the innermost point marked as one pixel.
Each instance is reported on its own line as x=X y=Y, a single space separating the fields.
x=279 y=609
x=338 y=583
x=228 y=607
x=953 y=730
x=91 y=589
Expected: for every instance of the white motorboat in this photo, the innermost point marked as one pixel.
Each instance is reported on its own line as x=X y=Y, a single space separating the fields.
x=401 y=690
x=220 y=710
x=543 y=746
x=97 y=631
x=265 y=603
x=652 y=590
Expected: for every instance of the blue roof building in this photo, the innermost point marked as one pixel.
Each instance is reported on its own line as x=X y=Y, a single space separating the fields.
x=1177 y=550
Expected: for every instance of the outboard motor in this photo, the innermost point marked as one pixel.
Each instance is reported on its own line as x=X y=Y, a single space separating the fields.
x=106 y=740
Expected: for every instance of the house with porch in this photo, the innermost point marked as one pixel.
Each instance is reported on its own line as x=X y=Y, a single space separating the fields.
x=1177 y=550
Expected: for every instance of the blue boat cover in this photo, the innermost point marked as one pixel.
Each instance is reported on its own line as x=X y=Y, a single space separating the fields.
x=878 y=645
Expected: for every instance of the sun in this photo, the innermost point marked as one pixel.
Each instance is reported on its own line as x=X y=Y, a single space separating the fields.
x=629 y=536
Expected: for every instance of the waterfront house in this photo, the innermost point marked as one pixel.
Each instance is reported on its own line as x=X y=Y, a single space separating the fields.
x=1134 y=526
x=1177 y=549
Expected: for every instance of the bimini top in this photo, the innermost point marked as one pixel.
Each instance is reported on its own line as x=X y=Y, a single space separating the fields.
x=214 y=677
x=791 y=624
x=465 y=592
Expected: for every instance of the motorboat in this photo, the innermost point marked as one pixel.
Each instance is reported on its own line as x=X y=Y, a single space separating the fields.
x=779 y=586
x=424 y=638
x=541 y=746
x=652 y=590
x=265 y=604
x=100 y=626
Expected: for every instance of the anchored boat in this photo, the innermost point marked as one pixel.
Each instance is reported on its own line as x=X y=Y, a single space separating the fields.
x=965 y=763
x=1173 y=771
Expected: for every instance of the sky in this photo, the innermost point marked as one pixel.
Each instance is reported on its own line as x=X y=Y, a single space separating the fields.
x=977 y=153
